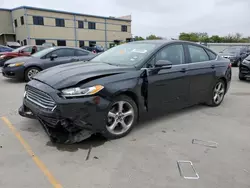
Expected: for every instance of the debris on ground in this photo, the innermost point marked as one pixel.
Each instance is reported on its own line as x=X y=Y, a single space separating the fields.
x=211 y=144
x=90 y=148
x=182 y=162
x=133 y=140
x=1 y=146
x=96 y=157
x=163 y=131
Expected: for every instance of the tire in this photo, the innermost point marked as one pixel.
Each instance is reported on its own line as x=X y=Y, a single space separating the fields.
x=27 y=77
x=216 y=91
x=115 y=118
x=242 y=78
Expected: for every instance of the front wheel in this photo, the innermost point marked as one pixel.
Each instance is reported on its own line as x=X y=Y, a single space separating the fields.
x=242 y=77
x=217 y=94
x=121 y=117
x=30 y=73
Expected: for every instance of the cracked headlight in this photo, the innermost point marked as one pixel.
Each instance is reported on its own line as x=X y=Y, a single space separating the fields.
x=77 y=91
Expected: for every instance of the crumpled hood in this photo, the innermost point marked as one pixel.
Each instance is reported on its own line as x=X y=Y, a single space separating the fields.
x=18 y=60
x=69 y=75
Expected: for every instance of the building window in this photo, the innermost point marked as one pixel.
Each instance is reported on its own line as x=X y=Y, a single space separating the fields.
x=60 y=22
x=80 y=24
x=61 y=43
x=40 y=42
x=18 y=41
x=124 y=28
x=22 y=20
x=91 y=25
x=38 y=20
x=15 y=22
x=92 y=43
x=24 y=42
x=81 y=43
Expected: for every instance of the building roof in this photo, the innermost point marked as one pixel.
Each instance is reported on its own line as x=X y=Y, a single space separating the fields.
x=66 y=12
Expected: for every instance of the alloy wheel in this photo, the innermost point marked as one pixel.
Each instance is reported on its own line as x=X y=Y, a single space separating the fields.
x=32 y=73
x=120 y=118
x=219 y=92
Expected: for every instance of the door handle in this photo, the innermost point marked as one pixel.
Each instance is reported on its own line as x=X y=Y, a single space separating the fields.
x=183 y=70
x=212 y=66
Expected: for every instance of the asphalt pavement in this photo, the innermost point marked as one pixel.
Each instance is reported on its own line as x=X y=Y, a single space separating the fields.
x=146 y=158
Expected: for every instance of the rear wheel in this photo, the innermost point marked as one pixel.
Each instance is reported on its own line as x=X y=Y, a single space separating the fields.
x=30 y=73
x=121 y=117
x=217 y=94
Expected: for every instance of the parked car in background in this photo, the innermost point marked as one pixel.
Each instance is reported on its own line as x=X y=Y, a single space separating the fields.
x=235 y=54
x=4 y=49
x=108 y=94
x=13 y=45
x=94 y=49
x=244 y=69
x=24 y=68
x=22 y=51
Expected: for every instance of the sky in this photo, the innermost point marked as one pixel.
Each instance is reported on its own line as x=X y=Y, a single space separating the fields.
x=165 y=18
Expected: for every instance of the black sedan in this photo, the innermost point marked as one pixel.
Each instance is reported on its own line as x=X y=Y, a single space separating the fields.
x=24 y=68
x=235 y=54
x=244 y=69
x=108 y=94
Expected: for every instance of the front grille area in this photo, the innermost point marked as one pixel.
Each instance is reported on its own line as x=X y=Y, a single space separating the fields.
x=40 y=98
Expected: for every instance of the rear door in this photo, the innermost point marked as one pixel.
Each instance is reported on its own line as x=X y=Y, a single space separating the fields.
x=83 y=55
x=201 y=71
x=64 y=55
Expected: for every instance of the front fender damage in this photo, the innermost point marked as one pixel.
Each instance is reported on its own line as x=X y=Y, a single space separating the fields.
x=66 y=132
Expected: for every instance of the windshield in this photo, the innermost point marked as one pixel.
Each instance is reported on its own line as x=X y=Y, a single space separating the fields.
x=248 y=57
x=231 y=50
x=42 y=52
x=128 y=54
x=18 y=49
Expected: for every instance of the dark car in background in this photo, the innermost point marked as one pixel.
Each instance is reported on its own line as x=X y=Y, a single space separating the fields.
x=244 y=69
x=235 y=54
x=24 y=68
x=108 y=94
x=94 y=49
x=22 y=51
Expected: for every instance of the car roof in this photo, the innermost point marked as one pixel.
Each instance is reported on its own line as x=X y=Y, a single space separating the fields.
x=165 y=41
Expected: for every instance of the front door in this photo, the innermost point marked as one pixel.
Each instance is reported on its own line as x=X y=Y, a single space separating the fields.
x=202 y=72
x=64 y=55
x=168 y=88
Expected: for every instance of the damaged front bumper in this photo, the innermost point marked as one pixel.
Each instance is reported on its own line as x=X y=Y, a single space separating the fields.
x=72 y=121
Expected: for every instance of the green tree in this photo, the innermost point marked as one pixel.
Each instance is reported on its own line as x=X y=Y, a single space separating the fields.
x=215 y=39
x=153 y=37
x=139 y=38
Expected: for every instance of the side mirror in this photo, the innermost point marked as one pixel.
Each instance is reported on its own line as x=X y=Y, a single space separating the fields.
x=163 y=64
x=53 y=56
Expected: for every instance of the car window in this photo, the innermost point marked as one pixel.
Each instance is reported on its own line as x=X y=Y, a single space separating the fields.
x=197 y=54
x=81 y=53
x=39 y=48
x=28 y=49
x=212 y=56
x=173 y=53
x=64 y=52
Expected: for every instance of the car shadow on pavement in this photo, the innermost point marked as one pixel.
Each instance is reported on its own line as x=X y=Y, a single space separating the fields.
x=151 y=118
x=94 y=141
x=13 y=81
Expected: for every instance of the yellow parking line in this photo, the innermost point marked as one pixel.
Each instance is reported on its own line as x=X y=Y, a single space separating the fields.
x=38 y=162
